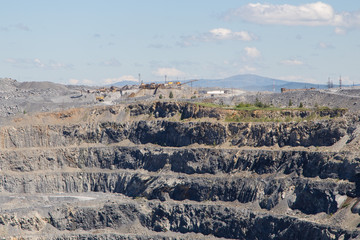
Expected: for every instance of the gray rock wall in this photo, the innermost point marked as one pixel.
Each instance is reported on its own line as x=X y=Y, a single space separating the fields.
x=177 y=134
x=165 y=178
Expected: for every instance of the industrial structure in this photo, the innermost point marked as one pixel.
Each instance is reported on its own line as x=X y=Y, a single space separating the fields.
x=101 y=92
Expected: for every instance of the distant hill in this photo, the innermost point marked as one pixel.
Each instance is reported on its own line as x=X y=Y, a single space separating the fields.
x=252 y=82
x=249 y=82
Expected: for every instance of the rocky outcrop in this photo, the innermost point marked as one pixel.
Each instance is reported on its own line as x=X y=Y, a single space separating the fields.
x=267 y=190
x=177 y=134
x=185 y=160
x=225 y=222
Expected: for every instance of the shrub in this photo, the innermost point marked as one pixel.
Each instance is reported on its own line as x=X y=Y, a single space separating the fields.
x=243 y=105
x=171 y=95
x=259 y=104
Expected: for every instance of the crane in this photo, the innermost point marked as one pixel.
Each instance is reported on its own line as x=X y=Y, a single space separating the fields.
x=190 y=81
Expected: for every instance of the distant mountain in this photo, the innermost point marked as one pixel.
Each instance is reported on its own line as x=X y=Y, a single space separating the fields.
x=124 y=83
x=252 y=82
x=247 y=82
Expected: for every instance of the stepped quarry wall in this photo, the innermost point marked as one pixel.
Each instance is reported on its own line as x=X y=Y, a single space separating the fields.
x=178 y=171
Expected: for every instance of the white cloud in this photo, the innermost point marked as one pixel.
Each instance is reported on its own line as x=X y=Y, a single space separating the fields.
x=120 y=79
x=221 y=33
x=243 y=35
x=247 y=69
x=227 y=34
x=74 y=81
x=311 y=14
x=87 y=82
x=324 y=45
x=298 y=79
x=217 y=34
x=346 y=80
x=37 y=63
x=292 y=62
x=170 y=72
x=340 y=31
x=252 y=52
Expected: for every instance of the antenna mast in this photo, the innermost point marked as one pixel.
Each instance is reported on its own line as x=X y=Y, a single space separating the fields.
x=274 y=86
x=340 y=81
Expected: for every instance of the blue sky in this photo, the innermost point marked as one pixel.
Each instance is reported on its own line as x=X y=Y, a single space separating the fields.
x=101 y=42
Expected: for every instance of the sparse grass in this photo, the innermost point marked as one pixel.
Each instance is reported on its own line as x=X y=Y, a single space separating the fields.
x=250 y=119
x=260 y=112
x=245 y=106
x=212 y=105
x=262 y=106
x=254 y=108
x=322 y=108
x=347 y=202
x=260 y=119
x=276 y=119
x=345 y=205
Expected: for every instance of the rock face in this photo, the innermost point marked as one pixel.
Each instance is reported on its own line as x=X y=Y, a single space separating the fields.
x=177 y=171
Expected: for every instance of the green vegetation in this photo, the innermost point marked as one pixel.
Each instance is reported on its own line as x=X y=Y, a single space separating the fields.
x=244 y=105
x=259 y=104
x=160 y=96
x=347 y=202
x=274 y=118
x=171 y=95
x=261 y=112
x=322 y=108
x=241 y=106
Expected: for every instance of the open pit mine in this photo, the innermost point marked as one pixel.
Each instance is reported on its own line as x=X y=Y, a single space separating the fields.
x=178 y=170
